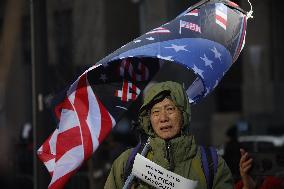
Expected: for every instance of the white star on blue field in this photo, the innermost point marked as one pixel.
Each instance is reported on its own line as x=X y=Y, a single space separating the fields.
x=203 y=59
x=151 y=38
x=177 y=48
x=207 y=61
x=198 y=71
x=216 y=53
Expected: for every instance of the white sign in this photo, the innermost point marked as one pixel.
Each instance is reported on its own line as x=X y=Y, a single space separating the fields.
x=159 y=177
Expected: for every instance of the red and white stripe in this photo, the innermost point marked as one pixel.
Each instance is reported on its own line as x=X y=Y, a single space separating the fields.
x=192 y=13
x=47 y=152
x=221 y=15
x=84 y=123
x=128 y=92
x=233 y=4
x=159 y=30
x=126 y=67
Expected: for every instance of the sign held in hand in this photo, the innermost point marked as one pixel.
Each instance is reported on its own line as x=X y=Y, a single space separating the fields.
x=158 y=176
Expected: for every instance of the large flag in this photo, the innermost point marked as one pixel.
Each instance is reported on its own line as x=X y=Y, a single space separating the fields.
x=197 y=48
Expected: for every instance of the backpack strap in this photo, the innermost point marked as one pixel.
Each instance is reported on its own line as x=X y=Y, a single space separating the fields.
x=214 y=155
x=209 y=159
x=130 y=161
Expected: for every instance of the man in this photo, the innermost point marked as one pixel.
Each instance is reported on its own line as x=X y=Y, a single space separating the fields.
x=248 y=182
x=165 y=116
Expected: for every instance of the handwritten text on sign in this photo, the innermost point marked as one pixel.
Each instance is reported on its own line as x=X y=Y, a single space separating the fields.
x=159 y=177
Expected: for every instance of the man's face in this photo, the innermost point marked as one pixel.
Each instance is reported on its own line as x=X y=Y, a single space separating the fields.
x=166 y=119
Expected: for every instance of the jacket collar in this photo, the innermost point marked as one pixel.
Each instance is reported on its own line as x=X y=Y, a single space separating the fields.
x=181 y=149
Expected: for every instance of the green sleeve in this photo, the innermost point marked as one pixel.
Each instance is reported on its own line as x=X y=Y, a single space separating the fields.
x=223 y=177
x=115 y=177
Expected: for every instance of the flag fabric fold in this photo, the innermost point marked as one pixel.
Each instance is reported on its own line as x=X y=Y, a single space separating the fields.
x=201 y=41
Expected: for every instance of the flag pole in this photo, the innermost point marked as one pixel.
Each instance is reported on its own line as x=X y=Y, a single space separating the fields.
x=131 y=177
x=38 y=67
x=35 y=179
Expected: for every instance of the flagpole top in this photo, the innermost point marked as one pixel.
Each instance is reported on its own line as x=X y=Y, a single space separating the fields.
x=249 y=14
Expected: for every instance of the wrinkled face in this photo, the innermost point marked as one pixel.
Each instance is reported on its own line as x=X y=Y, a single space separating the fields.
x=166 y=119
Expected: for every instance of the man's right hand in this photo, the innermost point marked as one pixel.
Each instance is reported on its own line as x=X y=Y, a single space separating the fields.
x=245 y=165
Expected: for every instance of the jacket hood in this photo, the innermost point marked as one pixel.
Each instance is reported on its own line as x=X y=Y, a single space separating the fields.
x=157 y=93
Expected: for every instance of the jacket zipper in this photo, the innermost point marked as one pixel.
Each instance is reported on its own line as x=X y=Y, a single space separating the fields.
x=169 y=156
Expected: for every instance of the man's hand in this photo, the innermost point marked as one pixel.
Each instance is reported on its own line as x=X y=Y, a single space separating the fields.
x=245 y=165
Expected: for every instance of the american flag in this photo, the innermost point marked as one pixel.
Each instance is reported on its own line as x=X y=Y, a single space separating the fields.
x=159 y=30
x=192 y=13
x=221 y=15
x=89 y=110
x=91 y=106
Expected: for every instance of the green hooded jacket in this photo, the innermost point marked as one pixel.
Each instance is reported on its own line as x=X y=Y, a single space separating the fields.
x=181 y=155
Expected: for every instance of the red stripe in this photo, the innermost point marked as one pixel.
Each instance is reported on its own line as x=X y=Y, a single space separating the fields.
x=230 y=3
x=124 y=90
x=67 y=140
x=133 y=95
x=126 y=66
x=63 y=105
x=194 y=11
x=59 y=183
x=81 y=104
x=106 y=122
x=221 y=19
x=46 y=145
x=130 y=71
x=45 y=155
x=159 y=30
